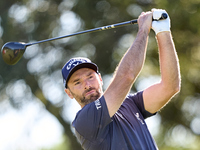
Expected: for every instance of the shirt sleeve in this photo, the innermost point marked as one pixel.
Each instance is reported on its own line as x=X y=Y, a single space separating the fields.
x=139 y=102
x=92 y=119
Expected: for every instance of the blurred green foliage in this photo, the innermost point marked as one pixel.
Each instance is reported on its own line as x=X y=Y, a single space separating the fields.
x=34 y=20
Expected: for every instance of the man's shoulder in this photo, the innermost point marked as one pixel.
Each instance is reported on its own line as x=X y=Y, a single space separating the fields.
x=137 y=95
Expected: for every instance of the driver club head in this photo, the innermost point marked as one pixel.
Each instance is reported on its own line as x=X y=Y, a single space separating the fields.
x=12 y=52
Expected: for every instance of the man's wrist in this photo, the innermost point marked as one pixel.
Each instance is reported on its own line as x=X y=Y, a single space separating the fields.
x=143 y=31
x=163 y=32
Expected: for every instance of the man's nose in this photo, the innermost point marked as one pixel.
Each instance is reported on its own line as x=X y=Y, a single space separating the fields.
x=87 y=85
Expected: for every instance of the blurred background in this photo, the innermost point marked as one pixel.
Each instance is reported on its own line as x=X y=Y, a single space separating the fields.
x=35 y=112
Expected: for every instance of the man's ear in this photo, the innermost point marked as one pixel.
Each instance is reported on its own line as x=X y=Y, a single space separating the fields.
x=69 y=93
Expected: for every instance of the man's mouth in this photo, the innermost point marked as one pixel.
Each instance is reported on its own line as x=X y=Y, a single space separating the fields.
x=89 y=92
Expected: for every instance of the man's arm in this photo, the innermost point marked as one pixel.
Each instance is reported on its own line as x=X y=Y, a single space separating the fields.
x=129 y=66
x=156 y=96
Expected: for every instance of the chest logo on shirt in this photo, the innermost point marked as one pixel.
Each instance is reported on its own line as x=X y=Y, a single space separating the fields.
x=138 y=118
x=97 y=104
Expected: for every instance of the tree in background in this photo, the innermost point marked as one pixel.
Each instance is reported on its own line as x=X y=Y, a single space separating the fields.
x=38 y=73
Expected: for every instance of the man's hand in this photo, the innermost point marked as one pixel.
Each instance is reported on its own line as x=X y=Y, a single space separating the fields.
x=160 y=25
x=145 y=21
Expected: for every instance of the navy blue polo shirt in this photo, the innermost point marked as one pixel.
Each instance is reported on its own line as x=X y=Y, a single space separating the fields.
x=126 y=130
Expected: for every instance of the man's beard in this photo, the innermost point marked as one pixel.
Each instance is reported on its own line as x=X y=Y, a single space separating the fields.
x=90 y=98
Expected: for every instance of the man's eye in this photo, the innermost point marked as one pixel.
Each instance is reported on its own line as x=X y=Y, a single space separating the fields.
x=76 y=83
x=91 y=77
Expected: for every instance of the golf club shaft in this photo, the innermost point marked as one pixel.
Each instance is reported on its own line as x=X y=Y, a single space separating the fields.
x=87 y=31
x=163 y=16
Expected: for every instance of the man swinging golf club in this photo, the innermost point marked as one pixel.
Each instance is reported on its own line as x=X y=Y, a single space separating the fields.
x=114 y=119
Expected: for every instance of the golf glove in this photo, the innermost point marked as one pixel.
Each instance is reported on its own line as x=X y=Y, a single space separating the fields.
x=160 y=25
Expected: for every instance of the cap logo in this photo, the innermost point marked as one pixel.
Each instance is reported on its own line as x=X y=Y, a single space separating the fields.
x=74 y=63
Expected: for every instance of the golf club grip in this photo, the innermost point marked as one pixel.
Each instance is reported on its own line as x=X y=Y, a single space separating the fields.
x=163 y=16
x=118 y=25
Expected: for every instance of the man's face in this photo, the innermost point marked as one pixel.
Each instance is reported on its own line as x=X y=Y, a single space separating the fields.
x=85 y=85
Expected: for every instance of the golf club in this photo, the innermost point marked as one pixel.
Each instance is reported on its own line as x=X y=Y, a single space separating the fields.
x=13 y=51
